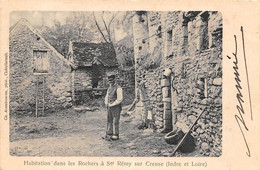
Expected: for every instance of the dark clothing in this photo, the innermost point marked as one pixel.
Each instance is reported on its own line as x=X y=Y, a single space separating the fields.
x=113 y=117
x=112 y=95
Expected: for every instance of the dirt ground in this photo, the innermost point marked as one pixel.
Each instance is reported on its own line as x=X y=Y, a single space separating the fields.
x=79 y=133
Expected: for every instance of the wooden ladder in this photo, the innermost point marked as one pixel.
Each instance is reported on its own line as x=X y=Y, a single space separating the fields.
x=40 y=90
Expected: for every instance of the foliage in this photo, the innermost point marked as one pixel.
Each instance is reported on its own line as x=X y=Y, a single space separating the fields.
x=151 y=61
x=76 y=28
x=125 y=52
x=93 y=27
x=107 y=22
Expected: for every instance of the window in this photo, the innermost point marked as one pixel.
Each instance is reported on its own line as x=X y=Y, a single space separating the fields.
x=169 y=49
x=202 y=87
x=41 y=63
x=202 y=32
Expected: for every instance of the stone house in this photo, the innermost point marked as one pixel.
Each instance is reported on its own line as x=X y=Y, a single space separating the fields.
x=179 y=60
x=92 y=61
x=40 y=77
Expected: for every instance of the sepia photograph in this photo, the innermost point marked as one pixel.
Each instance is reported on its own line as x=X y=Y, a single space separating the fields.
x=115 y=84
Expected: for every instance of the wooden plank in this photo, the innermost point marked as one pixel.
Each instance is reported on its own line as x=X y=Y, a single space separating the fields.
x=183 y=139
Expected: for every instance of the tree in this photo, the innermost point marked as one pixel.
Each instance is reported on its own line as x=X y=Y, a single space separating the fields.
x=105 y=31
x=78 y=27
x=93 y=27
x=106 y=23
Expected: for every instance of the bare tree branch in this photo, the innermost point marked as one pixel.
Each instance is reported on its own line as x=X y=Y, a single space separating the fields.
x=108 y=31
x=112 y=19
x=83 y=23
x=99 y=27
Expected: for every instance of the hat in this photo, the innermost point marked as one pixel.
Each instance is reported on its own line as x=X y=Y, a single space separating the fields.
x=111 y=75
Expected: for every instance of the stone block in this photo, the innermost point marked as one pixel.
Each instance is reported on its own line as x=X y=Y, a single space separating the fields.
x=167 y=114
x=205 y=147
x=179 y=109
x=14 y=104
x=67 y=94
x=67 y=105
x=182 y=126
x=166 y=99
x=165 y=83
x=204 y=101
x=165 y=91
x=167 y=124
x=200 y=131
x=159 y=123
x=189 y=91
x=218 y=101
x=217 y=81
x=167 y=105
x=180 y=103
x=192 y=118
x=68 y=99
x=62 y=98
x=158 y=118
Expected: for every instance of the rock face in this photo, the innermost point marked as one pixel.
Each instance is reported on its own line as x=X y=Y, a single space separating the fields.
x=190 y=44
x=23 y=41
x=126 y=79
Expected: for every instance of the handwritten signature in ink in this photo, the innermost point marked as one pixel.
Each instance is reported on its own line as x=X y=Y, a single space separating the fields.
x=241 y=112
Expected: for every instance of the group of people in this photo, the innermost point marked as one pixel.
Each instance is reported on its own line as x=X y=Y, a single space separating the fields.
x=113 y=102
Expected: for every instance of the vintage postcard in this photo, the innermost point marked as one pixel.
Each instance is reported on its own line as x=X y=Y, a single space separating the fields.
x=130 y=85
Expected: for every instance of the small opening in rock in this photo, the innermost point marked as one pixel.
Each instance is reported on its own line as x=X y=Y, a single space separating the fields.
x=169 y=42
x=159 y=31
x=160 y=28
x=140 y=48
x=205 y=88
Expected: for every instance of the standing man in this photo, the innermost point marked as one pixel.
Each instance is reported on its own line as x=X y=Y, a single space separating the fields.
x=113 y=100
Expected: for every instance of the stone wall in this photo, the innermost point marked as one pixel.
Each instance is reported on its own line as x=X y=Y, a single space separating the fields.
x=82 y=79
x=126 y=79
x=22 y=42
x=190 y=44
x=83 y=83
x=84 y=93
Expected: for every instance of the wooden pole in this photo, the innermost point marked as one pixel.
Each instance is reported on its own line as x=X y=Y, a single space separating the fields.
x=131 y=106
x=36 y=112
x=43 y=95
x=184 y=137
